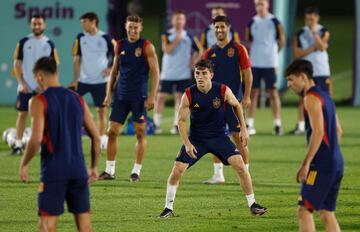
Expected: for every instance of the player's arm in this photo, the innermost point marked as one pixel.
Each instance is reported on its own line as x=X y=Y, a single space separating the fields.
x=248 y=79
x=113 y=77
x=18 y=69
x=168 y=47
x=76 y=64
x=154 y=74
x=321 y=43
x=314 y=108
x=94 y=135
x=36 y=110
x=183 y=114
x=338 y=129
x=281 y=40
x=299 y=52
x=237 y=107
x=198 y=50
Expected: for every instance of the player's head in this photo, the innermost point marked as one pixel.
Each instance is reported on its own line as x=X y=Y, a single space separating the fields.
x=89 y=21
x=217 y=11
x=37 y=24
x=178 y=20
x=261 y=7
x=45 y=71
x=221 y=27
x=133 y=27
x=312 y=16
x=298 y=74
x=203 y=73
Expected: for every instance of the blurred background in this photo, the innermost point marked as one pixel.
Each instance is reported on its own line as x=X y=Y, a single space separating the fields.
x=63 y=25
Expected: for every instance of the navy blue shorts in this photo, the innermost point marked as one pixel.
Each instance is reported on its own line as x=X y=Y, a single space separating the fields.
x=121 y=109
x=221 y=147
x=53 y=194
x=323 y=82
x=22 y=101
x=267 y=74
x=231 y=119
x=97 y=91
x=170 y=86
x=320 y=191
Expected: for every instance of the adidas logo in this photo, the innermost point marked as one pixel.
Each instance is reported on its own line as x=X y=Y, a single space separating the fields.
x=213 y=55
x=196 y=105
x=122 y=53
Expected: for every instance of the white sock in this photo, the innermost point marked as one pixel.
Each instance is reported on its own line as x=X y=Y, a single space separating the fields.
x=136 y=169
x=277 y=122
x=250 y=199
x=301 y=125
x=18 y=143
x=170 y=196
x=110 y=167
x=247 y=166
x=250 y=122
x=157 y=119
x=176 y=118
x=218 y=170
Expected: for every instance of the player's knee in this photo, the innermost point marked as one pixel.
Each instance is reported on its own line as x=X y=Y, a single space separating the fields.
x=326 y=216
x=302 y=212
x=101 y=112
x=22 y=115
x=140 y=134
x=113 y=132
x=85 y=227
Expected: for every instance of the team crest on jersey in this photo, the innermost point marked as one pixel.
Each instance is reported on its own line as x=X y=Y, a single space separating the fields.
x=216 y=103
x=138 y=52
x=230 y=52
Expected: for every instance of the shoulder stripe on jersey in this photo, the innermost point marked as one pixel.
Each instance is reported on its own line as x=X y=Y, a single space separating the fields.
x=244 y=59
x=46 y=137
x=189 y=97
x=146 y=43
x=118 y=47
x=43 y=100
x=223 y=90
x=76 y=51
x=19 y=53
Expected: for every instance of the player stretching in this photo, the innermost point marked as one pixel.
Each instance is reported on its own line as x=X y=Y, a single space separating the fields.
x=231 y=63
x=207 y=102
x=58 y=115
x=93 y=53
x=322 y=169
x=134 y=59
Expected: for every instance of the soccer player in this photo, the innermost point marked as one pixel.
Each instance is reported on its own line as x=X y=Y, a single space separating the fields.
x=266 y=37
x=321 y=171
x=206 y=102
x=232 y=64
x=180 y=53
x=311 y=44
x=208 y=38
x=28 y=50
x=58 y=115
x=93 y=53
x=134 y=60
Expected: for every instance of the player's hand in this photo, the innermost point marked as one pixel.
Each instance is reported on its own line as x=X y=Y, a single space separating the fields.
x=106 y=72
x=179 y=35
x=73 y=85
x=244 y=137
x=149 y=103
x=246 y=101
x=24 y=174
x=191 y=150
x=107 y=100
x=23 y=88
x=93 y=175
x=302 y=173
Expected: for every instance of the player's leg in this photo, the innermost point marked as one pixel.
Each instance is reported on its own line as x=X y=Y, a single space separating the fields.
x=98 y=93
x=48 y=223
x=165 y=90
x=270 y=85
x=328 y=218
x=254 y=95
x=174 y=129
x=244 y=150
x=140 y=134
x=83 y=222
x=306 y=220
x=300 y=125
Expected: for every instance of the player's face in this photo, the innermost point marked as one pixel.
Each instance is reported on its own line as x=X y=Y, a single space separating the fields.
x=261 y=6
x=221 y=31
x=217 y=12
x=178 y=21
x=37 y=26
x=311 y=19
x=296 y=83
x=203 y=77
x=133 y=30
x=87 y=25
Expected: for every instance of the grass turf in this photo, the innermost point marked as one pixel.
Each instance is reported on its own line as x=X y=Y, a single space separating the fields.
x=123 y=206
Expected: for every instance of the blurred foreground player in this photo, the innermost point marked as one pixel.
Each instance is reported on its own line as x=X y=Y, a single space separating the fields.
x=322 y=169
x=58 y=115
x=206 y=102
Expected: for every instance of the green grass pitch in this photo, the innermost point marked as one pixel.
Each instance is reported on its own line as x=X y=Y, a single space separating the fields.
x=123 y=206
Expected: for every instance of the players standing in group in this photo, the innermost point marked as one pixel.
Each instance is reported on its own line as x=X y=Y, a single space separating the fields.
x=93 y=53
x=311 y=44
x=266 y=37
x=207 y=103
x=180 y=53
x=58 y=114
x=28 y=50
x=231 y=67
x=135 y=58
x=322 y=169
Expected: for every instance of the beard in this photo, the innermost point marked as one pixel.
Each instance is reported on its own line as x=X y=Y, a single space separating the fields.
x=38 y=32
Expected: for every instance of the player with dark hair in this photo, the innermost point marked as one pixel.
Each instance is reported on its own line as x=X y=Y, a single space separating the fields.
x=135 y=58
x=93 y=53
x=232 y=67
x=58 y=114
x=322 y=169
x=28 y=50
x=207 y=102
